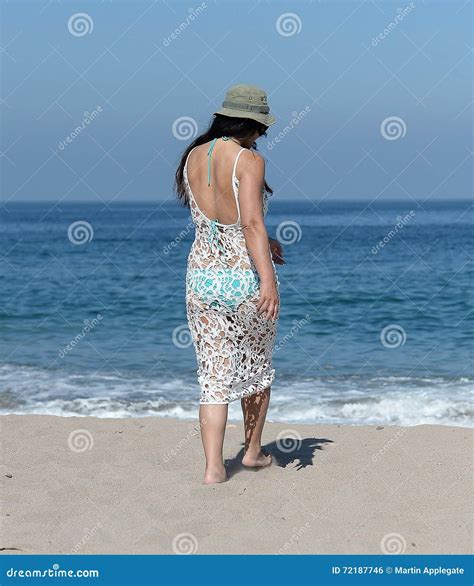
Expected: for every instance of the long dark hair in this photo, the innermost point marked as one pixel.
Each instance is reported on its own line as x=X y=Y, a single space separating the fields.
x=239 y=128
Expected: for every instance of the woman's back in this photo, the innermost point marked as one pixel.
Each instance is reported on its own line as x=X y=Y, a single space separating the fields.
x=211 y=172
x=213 y=191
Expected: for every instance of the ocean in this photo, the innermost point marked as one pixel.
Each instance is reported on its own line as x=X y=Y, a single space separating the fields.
x=374 y=325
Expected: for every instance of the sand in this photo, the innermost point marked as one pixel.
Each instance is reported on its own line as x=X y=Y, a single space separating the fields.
x=111 y=486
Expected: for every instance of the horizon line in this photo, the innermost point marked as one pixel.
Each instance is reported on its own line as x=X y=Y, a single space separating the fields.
x=281 y=199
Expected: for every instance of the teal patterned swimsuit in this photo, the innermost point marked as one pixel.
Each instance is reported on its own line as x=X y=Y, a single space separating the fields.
x=226 y=287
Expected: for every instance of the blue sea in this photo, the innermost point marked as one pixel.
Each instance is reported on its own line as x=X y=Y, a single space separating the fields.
x=374 y=327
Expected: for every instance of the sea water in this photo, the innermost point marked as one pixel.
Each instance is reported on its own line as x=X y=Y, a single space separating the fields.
x=376 y=302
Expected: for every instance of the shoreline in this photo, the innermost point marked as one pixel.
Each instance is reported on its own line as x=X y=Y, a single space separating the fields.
x=92 y=485
x=236 y=418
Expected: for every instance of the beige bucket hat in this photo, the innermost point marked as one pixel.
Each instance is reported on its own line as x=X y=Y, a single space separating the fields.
x=247 y=101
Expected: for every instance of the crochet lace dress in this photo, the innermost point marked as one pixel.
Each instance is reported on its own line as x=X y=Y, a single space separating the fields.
x=233 y=343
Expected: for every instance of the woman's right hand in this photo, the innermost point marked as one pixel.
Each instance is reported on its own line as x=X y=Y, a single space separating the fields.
x=269 y=300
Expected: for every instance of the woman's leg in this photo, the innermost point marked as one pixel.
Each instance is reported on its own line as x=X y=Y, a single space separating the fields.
x=255 y=409
x=213 y=420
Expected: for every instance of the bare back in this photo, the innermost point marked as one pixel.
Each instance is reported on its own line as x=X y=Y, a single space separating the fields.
x=216 y=201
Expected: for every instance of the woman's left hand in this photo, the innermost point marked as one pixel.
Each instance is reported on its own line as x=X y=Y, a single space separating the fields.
x=277 y=251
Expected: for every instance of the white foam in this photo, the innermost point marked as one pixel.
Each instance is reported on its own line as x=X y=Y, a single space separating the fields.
x=391 y=400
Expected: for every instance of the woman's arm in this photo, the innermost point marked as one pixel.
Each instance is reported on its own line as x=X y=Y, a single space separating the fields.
x=251 y=178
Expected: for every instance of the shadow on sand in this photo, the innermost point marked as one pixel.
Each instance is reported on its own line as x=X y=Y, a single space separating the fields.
x=284 y=451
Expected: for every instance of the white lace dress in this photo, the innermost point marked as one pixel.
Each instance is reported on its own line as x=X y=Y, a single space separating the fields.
x=233 y=343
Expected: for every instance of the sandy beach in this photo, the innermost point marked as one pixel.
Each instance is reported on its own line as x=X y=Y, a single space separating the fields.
x=110 y=486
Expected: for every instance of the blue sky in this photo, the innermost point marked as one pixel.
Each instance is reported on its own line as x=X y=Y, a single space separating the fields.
x=385 y=87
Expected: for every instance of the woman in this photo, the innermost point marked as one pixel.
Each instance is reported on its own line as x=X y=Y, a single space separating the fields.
x=232 y=297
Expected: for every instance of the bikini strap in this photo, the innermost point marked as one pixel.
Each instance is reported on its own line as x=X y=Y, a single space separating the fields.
x=234 y=189
x=236 y=161
x=209 y=155
x=185 y=170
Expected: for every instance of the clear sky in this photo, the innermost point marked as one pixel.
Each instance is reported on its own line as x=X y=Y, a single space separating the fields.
x=382 y=93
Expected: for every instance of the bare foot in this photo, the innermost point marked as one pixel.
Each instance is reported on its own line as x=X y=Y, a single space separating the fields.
x=256 y=459
x=215 y=475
